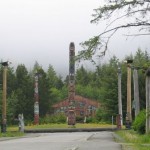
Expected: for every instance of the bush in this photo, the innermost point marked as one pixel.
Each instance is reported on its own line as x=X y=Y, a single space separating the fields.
x=140 y=122
x=59 y=118
x=103 y=116
x=91 y=120
x=79 y=119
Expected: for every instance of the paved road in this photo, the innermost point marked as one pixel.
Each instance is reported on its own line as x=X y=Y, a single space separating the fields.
x=63 y=141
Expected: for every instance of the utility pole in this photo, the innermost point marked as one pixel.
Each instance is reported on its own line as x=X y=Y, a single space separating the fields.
x=129 y=112
x=120 y=96
x=36 y=102
x=4 y=116
x=71 y=93
x=136 y=91
x=148 y=100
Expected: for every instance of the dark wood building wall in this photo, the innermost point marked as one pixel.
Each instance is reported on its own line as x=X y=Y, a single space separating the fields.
x=83 y=106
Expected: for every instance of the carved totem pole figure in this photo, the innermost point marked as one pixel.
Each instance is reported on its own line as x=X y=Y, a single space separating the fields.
x=36 y=103
x=71 y=94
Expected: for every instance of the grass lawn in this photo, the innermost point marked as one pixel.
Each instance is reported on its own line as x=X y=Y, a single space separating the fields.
x=11 y=134
x=13 y=130
x=134 y=141
x=78 y=125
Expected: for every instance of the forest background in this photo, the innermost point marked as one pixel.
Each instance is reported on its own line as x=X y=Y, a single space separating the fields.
x=100 y=85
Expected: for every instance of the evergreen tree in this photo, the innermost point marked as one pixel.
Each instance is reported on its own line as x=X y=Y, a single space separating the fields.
x=82 y=76
x=51 y=77
x=44 y=103
x=24 y=91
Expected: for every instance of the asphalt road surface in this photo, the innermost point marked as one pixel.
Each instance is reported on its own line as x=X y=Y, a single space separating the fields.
x=63 y=141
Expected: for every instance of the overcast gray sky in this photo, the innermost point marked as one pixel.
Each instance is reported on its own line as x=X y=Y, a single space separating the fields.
x=41 y=30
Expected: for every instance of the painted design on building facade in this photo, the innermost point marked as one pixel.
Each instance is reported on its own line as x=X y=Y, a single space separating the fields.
x=84 y=107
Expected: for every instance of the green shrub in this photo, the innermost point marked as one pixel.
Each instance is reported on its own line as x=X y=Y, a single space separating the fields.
x=140 y=122
x=103 y=116
x=91 y=120
x=79 y=119
x=59 y=118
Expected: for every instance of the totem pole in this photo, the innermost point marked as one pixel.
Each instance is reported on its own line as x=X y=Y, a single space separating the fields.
x=148 y=101
x=36 y=103
x=129 y=110
x=71 y=94
x=4 y=98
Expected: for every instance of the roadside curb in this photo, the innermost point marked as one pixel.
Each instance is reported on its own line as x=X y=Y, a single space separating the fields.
x=124 y=145
x=19 y=137
x=8 y=138
x=69 y=130
x=118 y=138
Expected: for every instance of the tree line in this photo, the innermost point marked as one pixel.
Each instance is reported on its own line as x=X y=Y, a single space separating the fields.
x=20 y=91
x=100 y=84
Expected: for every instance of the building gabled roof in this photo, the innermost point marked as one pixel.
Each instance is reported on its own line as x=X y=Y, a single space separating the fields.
x=78 y=98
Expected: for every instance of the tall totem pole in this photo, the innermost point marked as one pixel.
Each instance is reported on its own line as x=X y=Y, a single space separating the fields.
x=36 y=97
x=129 y=109
x=4 y=99
x=71 y=94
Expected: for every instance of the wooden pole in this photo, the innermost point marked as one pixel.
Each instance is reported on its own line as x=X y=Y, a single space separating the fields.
x=129 y=112
x=36 y=97
x=71 y=95
x=136 y=92
x=120 y=96
x=129 y=94
x=4 y=117
x=148 y=101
